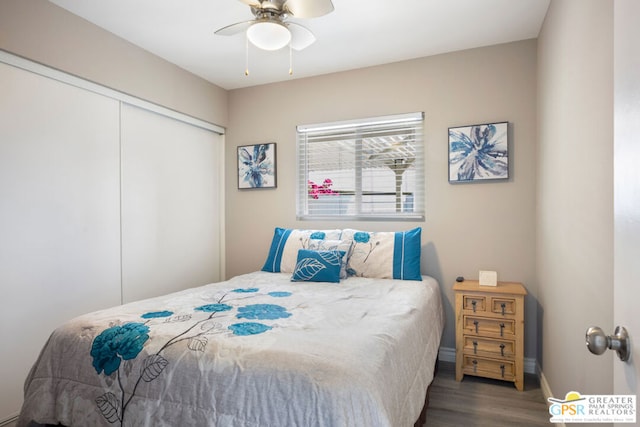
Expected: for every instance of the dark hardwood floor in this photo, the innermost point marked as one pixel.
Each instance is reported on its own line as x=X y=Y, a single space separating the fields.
x=484 y=402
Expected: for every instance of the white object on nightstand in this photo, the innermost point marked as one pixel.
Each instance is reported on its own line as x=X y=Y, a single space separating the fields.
x=488 y=278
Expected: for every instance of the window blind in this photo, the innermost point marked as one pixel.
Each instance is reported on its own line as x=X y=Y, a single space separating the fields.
x=362 y=169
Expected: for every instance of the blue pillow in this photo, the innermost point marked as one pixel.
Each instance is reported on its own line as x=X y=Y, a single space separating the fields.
x=385 y=254
x=318 y=266
x=280 y=236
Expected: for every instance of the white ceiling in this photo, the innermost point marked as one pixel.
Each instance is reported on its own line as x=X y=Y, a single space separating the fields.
x=358 y=33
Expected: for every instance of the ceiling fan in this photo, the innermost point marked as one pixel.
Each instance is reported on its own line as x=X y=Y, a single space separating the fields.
x=270 y=30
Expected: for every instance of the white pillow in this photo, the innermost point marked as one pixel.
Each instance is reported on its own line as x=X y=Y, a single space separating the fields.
x=283 y=253
x=385 y=254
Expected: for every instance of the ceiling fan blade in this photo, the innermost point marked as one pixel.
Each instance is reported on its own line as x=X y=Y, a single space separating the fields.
x=308 y=8
x=301 y=37
x=232 y=29
x=252 y=3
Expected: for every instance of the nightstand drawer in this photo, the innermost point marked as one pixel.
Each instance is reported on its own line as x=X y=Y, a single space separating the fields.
x=474 y=303
x=503 y=306
x=491 y=368
x=485 y=326
x=479 y=346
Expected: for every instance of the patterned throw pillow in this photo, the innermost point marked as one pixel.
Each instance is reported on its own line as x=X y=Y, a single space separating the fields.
x=384 y=255
x=318 y=266
x=286 y=242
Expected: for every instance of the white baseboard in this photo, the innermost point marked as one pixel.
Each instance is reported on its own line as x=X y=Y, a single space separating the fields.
x=447 y=354
x=546 y=390
x=10 y=421
x=544 y=385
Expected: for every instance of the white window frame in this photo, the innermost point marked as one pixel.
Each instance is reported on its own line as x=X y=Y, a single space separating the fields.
x=403 y=124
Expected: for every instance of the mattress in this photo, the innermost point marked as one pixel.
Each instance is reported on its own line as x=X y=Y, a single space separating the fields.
x=256 y=350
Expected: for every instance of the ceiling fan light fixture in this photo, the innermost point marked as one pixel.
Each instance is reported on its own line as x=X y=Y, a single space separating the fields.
x=269 y=35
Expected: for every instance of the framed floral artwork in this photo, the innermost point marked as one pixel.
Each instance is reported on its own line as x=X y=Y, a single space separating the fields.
x=257 y=166
x=479 y=152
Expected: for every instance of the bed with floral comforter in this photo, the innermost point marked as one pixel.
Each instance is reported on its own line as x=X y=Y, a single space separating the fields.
x=256 y=350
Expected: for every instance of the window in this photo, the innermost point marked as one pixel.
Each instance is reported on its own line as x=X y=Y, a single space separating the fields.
x=362 y=169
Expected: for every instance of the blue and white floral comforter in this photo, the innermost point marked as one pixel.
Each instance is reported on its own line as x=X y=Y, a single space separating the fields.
x=257 y=350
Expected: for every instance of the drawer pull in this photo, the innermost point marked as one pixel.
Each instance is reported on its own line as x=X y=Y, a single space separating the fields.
x=473 y=304
x=475 y=347
x=501 y=329
x=502 y=370
x=503 y=306
x=502 y=346
x=475 y=322
x=475 y=366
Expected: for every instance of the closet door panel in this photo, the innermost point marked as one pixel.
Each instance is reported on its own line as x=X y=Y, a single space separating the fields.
x=59 y=215
x=170 y=204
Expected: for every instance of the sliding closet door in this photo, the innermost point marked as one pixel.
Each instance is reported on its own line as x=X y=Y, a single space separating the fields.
x=59 y=215
x=170 y=204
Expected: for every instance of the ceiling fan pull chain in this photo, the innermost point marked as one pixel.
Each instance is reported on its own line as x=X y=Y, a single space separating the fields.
x=246 y=56
x=290 y=60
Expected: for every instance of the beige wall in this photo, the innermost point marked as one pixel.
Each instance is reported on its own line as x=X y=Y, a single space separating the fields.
x=575 y=192
x=468 y=226
x=43 y=32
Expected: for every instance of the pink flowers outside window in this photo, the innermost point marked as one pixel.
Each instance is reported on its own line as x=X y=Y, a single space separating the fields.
x=315 y=190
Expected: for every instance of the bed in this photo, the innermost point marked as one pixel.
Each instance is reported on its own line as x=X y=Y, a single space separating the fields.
x=256 y=350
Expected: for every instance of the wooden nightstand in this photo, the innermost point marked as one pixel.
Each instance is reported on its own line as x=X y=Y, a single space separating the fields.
x=490 y=331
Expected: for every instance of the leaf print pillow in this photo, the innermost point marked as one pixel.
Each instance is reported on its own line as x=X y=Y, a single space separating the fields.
x=333 y=245
x=318 y=266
